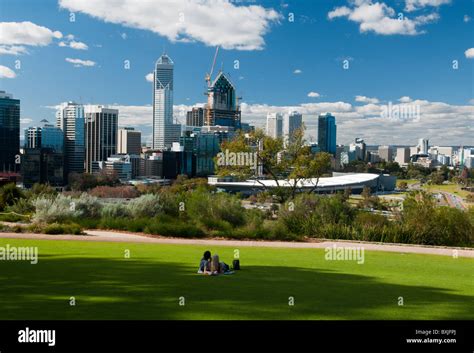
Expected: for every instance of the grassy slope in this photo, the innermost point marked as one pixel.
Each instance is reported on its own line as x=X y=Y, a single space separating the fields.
x=148 y=285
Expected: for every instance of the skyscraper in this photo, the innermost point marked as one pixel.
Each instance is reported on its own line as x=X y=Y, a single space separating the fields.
x=386 y=153
x=403 y=156
x=9 y=132
x=196 y=116
x=129 y=141
x=423 y=146
x=165 y=132
x=274 y=125
x=291 y=123
x=101 y=134
x=70 y=119
x=327 y=133
x=222 y=106
x=33 y=137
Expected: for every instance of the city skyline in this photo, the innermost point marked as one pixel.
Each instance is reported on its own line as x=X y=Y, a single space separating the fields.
x=415 y=59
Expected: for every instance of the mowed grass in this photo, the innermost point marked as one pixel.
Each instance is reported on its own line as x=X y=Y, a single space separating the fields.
x=149 y=285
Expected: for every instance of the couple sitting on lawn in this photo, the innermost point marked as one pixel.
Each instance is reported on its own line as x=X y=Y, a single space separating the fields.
x=212 y=266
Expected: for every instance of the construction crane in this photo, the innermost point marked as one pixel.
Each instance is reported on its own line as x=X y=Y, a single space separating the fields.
x=209 y=75
x=208 y=80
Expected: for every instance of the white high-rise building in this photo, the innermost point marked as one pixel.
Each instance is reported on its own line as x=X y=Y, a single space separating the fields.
x=291 y=123
x=275 y=125
x=403 y=156
x=70 y=119
x=165 y=132
x=423 y=146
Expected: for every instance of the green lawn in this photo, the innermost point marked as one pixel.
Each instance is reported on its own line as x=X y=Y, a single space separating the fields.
x=148 y=285
x=451 y=188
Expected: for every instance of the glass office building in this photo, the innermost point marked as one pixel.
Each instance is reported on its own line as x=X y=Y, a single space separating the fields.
x=327 y=133
x=9 y=132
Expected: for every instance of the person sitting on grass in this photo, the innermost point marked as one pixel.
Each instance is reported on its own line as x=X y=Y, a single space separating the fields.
x=218 y=267
x=205 y=264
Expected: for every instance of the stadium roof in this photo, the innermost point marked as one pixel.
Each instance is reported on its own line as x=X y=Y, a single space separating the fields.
x=336 y=181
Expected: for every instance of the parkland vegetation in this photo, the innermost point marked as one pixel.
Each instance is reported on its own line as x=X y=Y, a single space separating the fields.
x=191 y=208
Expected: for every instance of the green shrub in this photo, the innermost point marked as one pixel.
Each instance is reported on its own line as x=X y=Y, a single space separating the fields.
x=60 y=228
x=115 y=210
x=56 y=209
x=174 y=229
x=147 y=205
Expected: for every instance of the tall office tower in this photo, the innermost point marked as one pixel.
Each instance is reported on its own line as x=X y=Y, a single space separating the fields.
x=129 y=141
x=9 y=132
x=222 y=106
x=274 y=125
x=196 y=117
x=52 y=137
x=101 y=134
x=385 y=153
x=327 y=133
x=403 y=156
x=33 y=137
x=423 y=146
x=42 y=160
x=70 y=119
x=291 y=123
x=362 y=149
x=165 y=132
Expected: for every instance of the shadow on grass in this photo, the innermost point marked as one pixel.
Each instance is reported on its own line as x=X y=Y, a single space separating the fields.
x=141 y=289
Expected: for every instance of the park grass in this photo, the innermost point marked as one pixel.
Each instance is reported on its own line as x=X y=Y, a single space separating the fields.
x=149 y=284
x=451 y=188
x=408 y=181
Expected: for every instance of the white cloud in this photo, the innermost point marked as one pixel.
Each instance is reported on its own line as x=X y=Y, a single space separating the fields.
x=364 y=99
x=78 y=45
x=13 y=50
x=339 y=12
x=466 y=18
x=80 y=63
x=214 y=23
x=313 y=94
x=74 y=45
x=149 y=77
x=297 y=72
x=381 y=19
x=442 y=123
x=405 y=99
x=26 y=121
x=123 y=35
x=6 y=72
x=413 y=5
x=26 y=33
x=471 y=101
x=469 y=53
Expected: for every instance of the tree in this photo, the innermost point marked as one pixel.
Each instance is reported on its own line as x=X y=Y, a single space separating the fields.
x=9 y=194
x=437 y=178
x=403 y=185
x=287 y=164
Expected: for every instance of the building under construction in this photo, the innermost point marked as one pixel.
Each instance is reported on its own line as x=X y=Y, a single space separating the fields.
x=222 y=104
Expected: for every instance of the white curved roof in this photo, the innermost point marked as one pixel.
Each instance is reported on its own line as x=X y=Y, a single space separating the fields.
x=341 y=180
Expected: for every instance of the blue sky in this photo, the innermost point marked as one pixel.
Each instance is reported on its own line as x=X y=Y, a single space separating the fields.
x=280 y=61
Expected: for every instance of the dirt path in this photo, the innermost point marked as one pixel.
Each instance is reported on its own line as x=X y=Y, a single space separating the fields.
x=98 y=235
